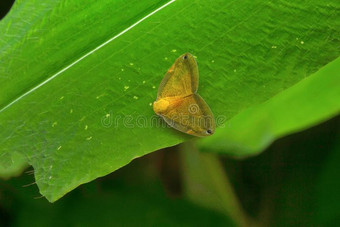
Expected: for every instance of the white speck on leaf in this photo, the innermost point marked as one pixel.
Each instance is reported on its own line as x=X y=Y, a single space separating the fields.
x=131 y=63
x=173 y=51
x=153 y=86
x=71 y=111
x=89 y=138
x=150 y=104
x=86 y=127
x=126 y=87
x=58 y=150
x=302 y=42
x=54 y=124
x=83 y=118
x=274 y=47
x=135 y=97
x=62 y=97
x=122 y=70
x=235 y=70
x=50 y=177
x=143 y=81
x=100 y=96
x=107 y=115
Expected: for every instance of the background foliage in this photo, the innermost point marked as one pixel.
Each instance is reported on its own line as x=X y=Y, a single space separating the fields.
x=293 y=182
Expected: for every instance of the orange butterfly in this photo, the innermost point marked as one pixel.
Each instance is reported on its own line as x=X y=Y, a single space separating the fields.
x=178 y=102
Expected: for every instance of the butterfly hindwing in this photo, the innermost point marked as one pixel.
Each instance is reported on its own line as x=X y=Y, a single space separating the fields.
x=181 y=79
x=190 y=115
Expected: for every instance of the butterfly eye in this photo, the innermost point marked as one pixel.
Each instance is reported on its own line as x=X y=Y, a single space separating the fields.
x=209 y=131
x=185 y=57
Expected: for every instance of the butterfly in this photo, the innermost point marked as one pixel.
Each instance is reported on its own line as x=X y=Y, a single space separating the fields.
x=178 y=102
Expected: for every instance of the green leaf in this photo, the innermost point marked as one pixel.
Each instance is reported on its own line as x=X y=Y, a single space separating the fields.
x=78 y=113
x=311 y=101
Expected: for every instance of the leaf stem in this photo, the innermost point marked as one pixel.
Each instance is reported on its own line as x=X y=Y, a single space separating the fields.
x=206 y=183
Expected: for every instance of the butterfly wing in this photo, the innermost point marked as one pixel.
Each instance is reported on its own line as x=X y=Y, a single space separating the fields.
x=181 y=79
x=190 y=115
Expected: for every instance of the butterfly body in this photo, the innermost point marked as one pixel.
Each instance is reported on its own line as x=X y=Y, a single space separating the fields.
x=160 y=106
x=178 y=102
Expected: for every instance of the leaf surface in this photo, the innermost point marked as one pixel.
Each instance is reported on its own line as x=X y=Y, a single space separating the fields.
x=309 y=102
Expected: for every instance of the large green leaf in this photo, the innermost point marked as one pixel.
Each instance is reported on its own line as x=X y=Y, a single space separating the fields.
x=78 y=113
x=307 y=103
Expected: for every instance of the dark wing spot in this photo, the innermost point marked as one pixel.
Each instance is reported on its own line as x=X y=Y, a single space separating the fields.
x=185 y=57
x=209 y=131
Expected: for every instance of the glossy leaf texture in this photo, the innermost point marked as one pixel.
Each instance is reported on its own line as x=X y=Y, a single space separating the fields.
x=77 y=113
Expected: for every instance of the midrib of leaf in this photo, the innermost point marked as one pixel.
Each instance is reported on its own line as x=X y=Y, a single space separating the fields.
x=83 y=57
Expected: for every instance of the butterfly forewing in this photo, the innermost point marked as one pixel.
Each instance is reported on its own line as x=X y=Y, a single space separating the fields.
x=181 y=79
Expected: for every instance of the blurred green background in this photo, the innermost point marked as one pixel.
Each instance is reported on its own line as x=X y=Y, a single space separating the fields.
x=295 y=182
